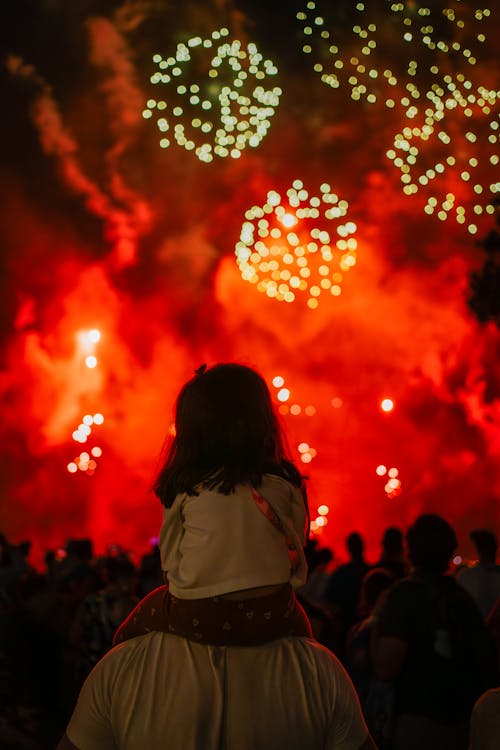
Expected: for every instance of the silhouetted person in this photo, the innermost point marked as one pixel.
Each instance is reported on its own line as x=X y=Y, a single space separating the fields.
x=432 y=642
x=392 y=557
x=342 y=591
x=482 y=580
x=376 y=697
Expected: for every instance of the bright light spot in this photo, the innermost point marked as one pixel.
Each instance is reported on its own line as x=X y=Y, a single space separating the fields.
x=288 y=220
x=72 y=467
x=457 y=560
x=387 y=404
x=96 y=451
x=283 y=394
x=393 y=483
x=295 y=409
x=323 y=510
x=278 y=381
x=94 y=335
x=381 y=470
x=98 y=419
x=321 y=521
x=91 y=361
x=303 y=447
x=393 y=472
x=306 y=458
x=87 y=420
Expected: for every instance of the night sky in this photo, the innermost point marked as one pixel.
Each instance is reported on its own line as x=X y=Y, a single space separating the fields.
x=104 y=230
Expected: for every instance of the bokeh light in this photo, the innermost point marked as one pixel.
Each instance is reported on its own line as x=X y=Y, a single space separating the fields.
x=387 y=404
x=449 y=151
x=218 y=101
x=310 y=260
x=390 y=45
x=401 y=55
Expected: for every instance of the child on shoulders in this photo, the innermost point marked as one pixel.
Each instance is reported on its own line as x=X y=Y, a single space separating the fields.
x=235 y=519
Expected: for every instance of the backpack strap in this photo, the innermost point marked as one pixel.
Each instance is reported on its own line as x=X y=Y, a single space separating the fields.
x=266 y=508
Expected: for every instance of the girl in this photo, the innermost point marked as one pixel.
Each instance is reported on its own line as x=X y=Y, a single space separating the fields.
x=235 y=519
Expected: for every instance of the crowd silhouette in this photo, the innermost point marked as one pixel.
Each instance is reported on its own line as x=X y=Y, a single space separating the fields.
x=420 y=640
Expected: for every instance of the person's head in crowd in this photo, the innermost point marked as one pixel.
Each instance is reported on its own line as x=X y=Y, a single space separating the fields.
x=374 y=583
x=226 y=433
x=116 y=569
x=486 y=544
x=80 y=549
x=5 y=552
x=355 y=545
x=392 y=543
x=320 y=559
x=431 y=543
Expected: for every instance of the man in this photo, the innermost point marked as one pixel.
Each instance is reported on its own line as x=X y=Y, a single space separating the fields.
x=432 y=642
x=163 y=691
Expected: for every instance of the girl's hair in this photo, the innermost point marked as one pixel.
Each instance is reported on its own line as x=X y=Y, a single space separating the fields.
x=226 y=433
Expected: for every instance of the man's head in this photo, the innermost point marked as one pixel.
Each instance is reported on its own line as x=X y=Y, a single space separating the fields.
x=392 y=542
x=355 y=545
x=431 y=543
x=486 y=544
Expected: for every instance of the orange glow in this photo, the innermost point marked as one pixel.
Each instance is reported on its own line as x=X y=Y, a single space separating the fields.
x=393 y=472
x=96 y=451
x=387 y=404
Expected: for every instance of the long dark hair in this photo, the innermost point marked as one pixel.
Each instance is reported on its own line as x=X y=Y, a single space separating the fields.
x=226 y=433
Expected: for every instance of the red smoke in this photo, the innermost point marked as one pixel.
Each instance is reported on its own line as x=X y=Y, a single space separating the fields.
x=103 y=230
